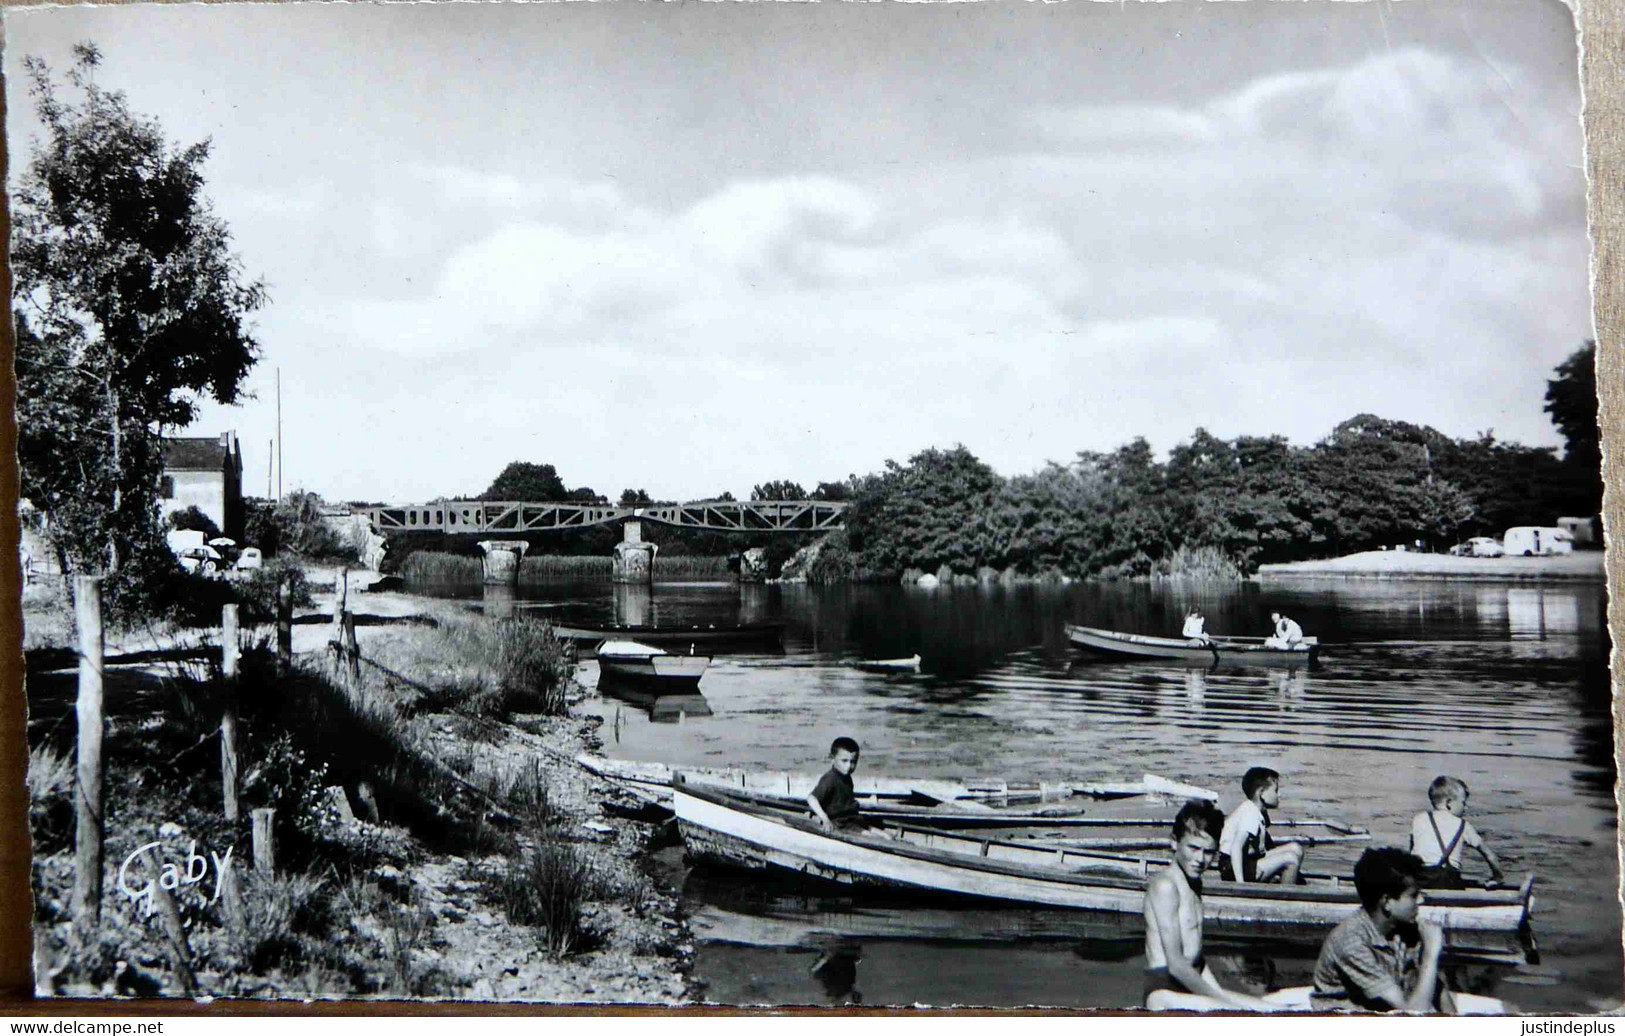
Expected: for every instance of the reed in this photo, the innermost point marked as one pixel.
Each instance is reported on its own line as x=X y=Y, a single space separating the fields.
x=432 y=567
x=1198 y=563
x=426 y=566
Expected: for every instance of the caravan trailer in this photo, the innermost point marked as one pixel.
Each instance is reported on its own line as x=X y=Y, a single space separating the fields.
x=1526 y=540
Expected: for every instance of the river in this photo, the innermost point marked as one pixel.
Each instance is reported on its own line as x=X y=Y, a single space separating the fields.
x=1502 y=685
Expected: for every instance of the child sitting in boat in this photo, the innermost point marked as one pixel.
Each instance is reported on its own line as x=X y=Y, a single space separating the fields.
x=1195 y=627
x=1383 y=957
x=1177 y=977
x=1437 y=837
x=832 y=800
x=1246 y=851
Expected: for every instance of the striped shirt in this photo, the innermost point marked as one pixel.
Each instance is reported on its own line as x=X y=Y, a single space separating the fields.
x=1357 y=966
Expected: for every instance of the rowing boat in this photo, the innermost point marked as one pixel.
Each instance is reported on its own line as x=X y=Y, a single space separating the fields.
x=886 y=665
x=631 y=662
x=707 y=637
x=724 y=830
x=1217 y=651
x=654 y=782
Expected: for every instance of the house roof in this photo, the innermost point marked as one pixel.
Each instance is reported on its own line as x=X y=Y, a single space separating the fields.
x=205 y=454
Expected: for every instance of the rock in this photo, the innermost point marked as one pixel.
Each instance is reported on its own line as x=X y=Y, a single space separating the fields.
x=385 y=870
x=485 y=919
x=483 y=990
x=340 y=803
x=927 y=580
x=598 y=828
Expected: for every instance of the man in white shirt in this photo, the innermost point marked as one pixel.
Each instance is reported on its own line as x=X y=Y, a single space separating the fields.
x=1288 y=634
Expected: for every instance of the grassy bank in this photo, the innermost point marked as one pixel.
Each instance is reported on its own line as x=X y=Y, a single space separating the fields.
x=432 y=838
x=1584 y=566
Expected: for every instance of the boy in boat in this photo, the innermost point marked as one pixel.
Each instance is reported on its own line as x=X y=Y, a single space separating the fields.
x=1383 y=958
x=832 y=800
x=1246 y=851
x=1195 y=628
x=1288 y=634
x=1177 y=977
x=1437 y=837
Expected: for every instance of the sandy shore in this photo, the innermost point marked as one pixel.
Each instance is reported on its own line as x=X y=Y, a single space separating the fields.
x=1584 y=566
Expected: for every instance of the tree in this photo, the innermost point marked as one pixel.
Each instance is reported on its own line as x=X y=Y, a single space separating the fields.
x=834 y=492
x=782 y=489
x=635 y=498
x=529 y=483
x=130 y=302
x=1571 y=399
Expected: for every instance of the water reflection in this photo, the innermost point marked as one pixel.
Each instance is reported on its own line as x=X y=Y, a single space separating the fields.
x=659 y=707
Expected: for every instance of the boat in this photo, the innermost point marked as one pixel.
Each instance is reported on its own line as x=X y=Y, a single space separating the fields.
x=654 y=782
x=886 y=665
x=1218 y=651
x=707 y=637
x=724 y=830
x=631 y=662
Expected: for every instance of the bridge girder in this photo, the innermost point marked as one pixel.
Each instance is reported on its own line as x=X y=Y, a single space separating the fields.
x=486 y=516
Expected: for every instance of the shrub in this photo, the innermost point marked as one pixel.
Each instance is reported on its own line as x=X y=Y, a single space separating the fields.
x=50 y=799
x=192 y=518
x=547 y=889
x=522 y=667
x=257 y=590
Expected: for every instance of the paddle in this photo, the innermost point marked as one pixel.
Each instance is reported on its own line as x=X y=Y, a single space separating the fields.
x=1153 y=842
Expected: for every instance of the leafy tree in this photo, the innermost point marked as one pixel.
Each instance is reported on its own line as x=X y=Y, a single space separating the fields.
x=525 y=482
x=635 y=498
x=834 y=492
x=587 y=495
x=1571 y=400
x=130 y=306
x=782 y=489
x=192 y=518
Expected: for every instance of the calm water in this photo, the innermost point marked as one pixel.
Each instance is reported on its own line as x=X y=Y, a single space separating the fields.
x=1503 y=686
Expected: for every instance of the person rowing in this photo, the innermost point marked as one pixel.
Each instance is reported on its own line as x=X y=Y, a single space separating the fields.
x=1288 y=634
x=1195 y=629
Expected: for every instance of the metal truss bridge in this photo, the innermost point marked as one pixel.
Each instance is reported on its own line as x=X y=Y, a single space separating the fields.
x=484 y=516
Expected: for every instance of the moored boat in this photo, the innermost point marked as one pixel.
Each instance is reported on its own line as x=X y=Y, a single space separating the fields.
x=886 y=665
x=722 y=830
x=1217 y=651
x=654 y=782
x=709 y=638
x=632 y=662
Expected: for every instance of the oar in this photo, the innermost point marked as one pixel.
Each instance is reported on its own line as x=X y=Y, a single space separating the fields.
x=1150 y=842
x=1335 y=825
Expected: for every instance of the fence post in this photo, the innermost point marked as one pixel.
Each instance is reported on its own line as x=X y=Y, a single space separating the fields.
x=352 y=650
x=335 y=639
x=87 y=800
x=284 y=625
x=169 y=917
x=229 y=651
x=264 y=843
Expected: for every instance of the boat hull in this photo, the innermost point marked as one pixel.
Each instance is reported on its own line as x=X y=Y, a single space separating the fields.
x=655 y=671
x=709 y=637
x=1218 y=652
x=719 y=832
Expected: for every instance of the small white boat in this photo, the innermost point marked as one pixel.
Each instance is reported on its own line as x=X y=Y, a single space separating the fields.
x=886 y=665
x=631 y=662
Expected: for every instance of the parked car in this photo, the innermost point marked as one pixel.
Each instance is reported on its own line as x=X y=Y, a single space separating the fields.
x=1479 y=547
x=204 y=559
x=250 y=558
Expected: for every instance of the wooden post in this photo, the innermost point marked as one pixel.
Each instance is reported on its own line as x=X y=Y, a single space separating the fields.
x=231 y=898
x=352 y=651
x=335 y=638
x=169 y=916
x=284 y=625
x=229 y=651
x=264 y=844
x=87 y=801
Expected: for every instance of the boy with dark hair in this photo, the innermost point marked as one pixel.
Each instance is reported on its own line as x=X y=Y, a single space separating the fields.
x=1246 y=851
x=832 y=800
x=1177 y=977
x=1441 y=855
x=1383 y=957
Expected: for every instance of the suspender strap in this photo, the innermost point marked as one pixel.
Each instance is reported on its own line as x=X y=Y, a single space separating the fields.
x=1447 y=849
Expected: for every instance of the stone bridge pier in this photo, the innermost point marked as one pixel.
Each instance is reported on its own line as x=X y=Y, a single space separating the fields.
x=501 y=562
x=753 y=565
x=634 y=559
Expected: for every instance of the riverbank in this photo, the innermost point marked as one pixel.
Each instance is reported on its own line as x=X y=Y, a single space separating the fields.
x=434 y=839
x=1581 y=566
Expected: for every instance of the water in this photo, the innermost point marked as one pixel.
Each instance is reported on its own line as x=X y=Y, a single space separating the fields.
x=1504 y=686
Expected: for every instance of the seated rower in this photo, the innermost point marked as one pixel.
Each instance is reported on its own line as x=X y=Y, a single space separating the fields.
x=1288 y=634
x=1195 y=628
x=1383 y=957
x=1246 y=850
x=1441 y=854
x=1177 y=977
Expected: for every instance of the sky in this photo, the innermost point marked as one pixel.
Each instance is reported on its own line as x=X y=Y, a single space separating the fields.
x=691 y=248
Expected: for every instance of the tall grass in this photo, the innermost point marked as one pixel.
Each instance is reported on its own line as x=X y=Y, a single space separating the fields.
x=1198 y=563
x=516 y=665
x=547 y=889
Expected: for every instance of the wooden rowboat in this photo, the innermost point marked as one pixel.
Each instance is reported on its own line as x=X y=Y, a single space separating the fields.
x=636 y=663
x=653 y=782
x=681 y=637
x=1218 y=651
x=723 y=830
x=886 y=665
